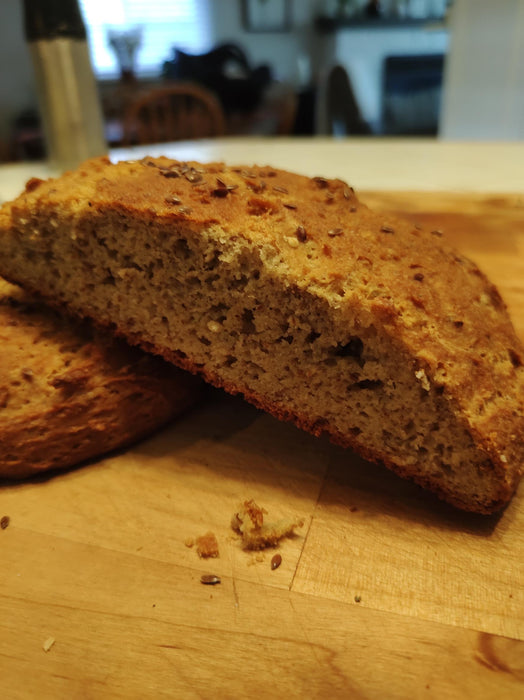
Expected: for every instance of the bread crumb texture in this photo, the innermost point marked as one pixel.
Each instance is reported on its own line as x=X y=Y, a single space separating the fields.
x=290 y=291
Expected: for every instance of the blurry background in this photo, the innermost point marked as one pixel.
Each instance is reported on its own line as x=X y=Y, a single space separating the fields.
x=297 y=67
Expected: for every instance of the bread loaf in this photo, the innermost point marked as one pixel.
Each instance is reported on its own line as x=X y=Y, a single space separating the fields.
x=69 y=393
x=290 y=291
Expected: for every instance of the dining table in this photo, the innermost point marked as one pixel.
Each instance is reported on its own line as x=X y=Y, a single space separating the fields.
x=383 y=591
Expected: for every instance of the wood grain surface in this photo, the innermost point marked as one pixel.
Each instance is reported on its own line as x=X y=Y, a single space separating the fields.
x=383 y=593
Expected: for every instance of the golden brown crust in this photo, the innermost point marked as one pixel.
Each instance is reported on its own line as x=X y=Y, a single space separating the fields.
x=69 y=393
x=438 y=310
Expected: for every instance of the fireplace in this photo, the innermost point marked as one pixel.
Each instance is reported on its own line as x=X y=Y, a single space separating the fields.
x=411 y=94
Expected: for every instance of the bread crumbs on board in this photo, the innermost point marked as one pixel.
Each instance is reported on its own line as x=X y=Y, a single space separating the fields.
x=248 y=521
x=49 y=642
x=207 y=546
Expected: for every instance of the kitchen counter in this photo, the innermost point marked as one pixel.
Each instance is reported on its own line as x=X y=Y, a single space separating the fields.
x=384 y=592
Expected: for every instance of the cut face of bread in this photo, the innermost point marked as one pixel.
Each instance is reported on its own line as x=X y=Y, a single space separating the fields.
x=69 y=393
x=290 y=291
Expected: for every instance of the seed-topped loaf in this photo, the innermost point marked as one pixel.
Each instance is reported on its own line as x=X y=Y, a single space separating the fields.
x=290 y=291
x=69 y=393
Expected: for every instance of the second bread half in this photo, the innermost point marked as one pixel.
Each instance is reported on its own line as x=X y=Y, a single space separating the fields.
x=70 y=392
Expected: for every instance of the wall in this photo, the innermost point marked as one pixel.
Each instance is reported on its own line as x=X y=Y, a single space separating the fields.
x=484 y=83
x=17 y=91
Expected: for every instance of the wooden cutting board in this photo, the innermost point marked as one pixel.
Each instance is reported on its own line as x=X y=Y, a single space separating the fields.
x=384 y=593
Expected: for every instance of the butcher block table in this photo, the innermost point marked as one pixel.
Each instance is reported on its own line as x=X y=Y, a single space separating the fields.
x=385 y=592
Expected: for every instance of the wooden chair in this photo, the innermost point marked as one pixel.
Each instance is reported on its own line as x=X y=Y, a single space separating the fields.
x=172 y=113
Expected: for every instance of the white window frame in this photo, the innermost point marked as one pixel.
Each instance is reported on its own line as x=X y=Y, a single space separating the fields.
x=165 y=24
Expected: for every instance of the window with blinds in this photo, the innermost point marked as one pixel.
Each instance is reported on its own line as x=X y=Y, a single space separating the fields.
x=160 y=24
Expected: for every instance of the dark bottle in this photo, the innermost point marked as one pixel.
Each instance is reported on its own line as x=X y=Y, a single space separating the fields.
x=67 y=90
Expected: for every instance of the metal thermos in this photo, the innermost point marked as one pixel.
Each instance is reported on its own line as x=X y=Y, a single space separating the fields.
x=67 y=91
